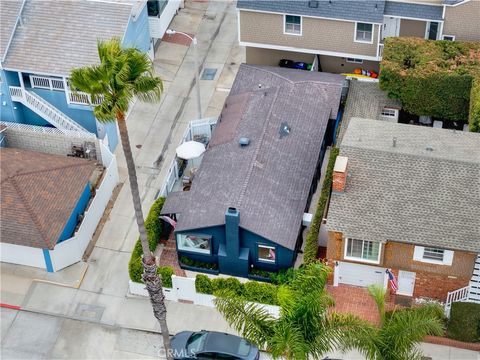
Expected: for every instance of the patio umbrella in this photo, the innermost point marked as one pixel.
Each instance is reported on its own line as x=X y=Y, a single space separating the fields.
x=190 y=150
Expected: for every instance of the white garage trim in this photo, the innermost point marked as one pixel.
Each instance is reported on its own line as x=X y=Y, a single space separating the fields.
x=359 y=275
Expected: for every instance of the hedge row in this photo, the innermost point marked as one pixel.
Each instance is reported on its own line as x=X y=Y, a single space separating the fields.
x=432 y=78
x=154 y=229
x=474 y=119
x=311 y=245
x=464 y=323
x=251 y=290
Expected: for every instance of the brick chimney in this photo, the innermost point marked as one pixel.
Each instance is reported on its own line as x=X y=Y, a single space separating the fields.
x=339 y=179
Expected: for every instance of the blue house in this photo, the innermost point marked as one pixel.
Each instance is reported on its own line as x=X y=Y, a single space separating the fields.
x=247 y=200
x=42 y=41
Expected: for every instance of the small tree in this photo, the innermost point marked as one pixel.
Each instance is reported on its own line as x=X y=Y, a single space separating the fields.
x=306 y=327
x=401 y=330
x=122 y=74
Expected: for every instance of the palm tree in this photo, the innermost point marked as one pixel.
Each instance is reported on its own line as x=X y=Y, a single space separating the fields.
x=122 y=74
x=401 y=330
x=306 y=328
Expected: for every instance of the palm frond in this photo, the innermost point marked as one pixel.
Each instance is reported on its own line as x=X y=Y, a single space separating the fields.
x=378 y=293
x=288 y=341
x=250 y=320
x=347 y=332
x=148 y=88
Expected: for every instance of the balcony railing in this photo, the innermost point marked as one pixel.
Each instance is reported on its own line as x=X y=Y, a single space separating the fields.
x=44 y=82
x=81 y=98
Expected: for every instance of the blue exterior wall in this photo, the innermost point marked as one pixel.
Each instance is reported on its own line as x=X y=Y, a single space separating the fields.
x=113 y=135
x=7 y=111
x=138 y=33
x=248 y=240
x=78 y=210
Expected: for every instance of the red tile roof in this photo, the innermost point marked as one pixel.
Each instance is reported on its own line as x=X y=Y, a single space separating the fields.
x=38 y=194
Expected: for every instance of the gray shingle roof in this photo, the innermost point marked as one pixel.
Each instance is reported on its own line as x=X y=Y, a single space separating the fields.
x=269 y=180
x=415 y=11
x=365 y=100
x=407 y=193
x=363 y=10
x=9 y=11
x=57 y=37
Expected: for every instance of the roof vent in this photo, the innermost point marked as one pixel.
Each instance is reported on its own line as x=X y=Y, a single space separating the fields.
x=259 y=86
x=313 y=4
x=284 y=130
x=429 y=148
x=244 y=141
x=394 y=141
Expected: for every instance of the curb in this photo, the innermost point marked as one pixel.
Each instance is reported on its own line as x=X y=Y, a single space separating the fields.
x=8 y=306
x=437 y=340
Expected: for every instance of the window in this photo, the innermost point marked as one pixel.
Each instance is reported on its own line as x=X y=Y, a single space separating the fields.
x=356 y=61
x=266 y=253
x=368 y=251
x=364 y=32
x=194 y=243
x=293 y=25
x=433 y=255
x=449 y=37
x=390 y=112
x=432 y=32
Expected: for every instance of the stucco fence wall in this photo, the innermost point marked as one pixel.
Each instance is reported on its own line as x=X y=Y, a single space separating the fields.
x=71 y=250
x=183 y=288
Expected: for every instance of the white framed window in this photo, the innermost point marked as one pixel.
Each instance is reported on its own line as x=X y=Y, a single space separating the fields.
x=433 y=30
x=195 y=243
x=364 y=33
x=292 y=25
x=362 y=250
x=353 y=60
x=433 y=255
x=266 y=253
x=448 y=37
x=389 y=112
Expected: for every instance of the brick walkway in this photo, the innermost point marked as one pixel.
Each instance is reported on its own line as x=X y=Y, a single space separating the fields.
x=357 y=301
x=169 y=256
x=178 y=39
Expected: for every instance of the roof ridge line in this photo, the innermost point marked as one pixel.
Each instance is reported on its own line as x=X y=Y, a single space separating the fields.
x=257 y=150
x=413 y=155
x=44 y=170
x=31 y=212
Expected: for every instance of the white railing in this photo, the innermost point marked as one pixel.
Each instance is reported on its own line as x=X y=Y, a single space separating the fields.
x=197 y=130
x=43 y=108
x=44 y=82
x=71 y=250
x=81 y=98
x=458 y=295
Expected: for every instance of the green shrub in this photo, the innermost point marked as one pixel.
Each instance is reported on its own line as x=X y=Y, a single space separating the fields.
x=260 y=292
x=153 y=226
x=433 y=78
x=464 y=324
x=232 y=285
x=199 y=264
x=283 y=276
x=166 y=273
x=311 y=241
x=203 y=284
x=251 y=290
x=474 y=117
x=135 y=268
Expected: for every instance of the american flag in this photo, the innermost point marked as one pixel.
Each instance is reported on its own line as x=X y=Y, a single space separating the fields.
x=392 y=280
x=169 y=220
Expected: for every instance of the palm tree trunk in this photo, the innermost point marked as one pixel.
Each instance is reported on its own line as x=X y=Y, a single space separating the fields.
x=150 y=277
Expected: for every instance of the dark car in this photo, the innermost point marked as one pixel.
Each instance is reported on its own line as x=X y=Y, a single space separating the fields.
x=212 y=345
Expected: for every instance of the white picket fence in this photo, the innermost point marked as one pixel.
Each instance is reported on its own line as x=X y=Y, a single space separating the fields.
x=183 y=288
x=71 y=250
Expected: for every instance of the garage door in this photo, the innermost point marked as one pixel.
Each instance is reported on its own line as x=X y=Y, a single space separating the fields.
x=360 y=275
